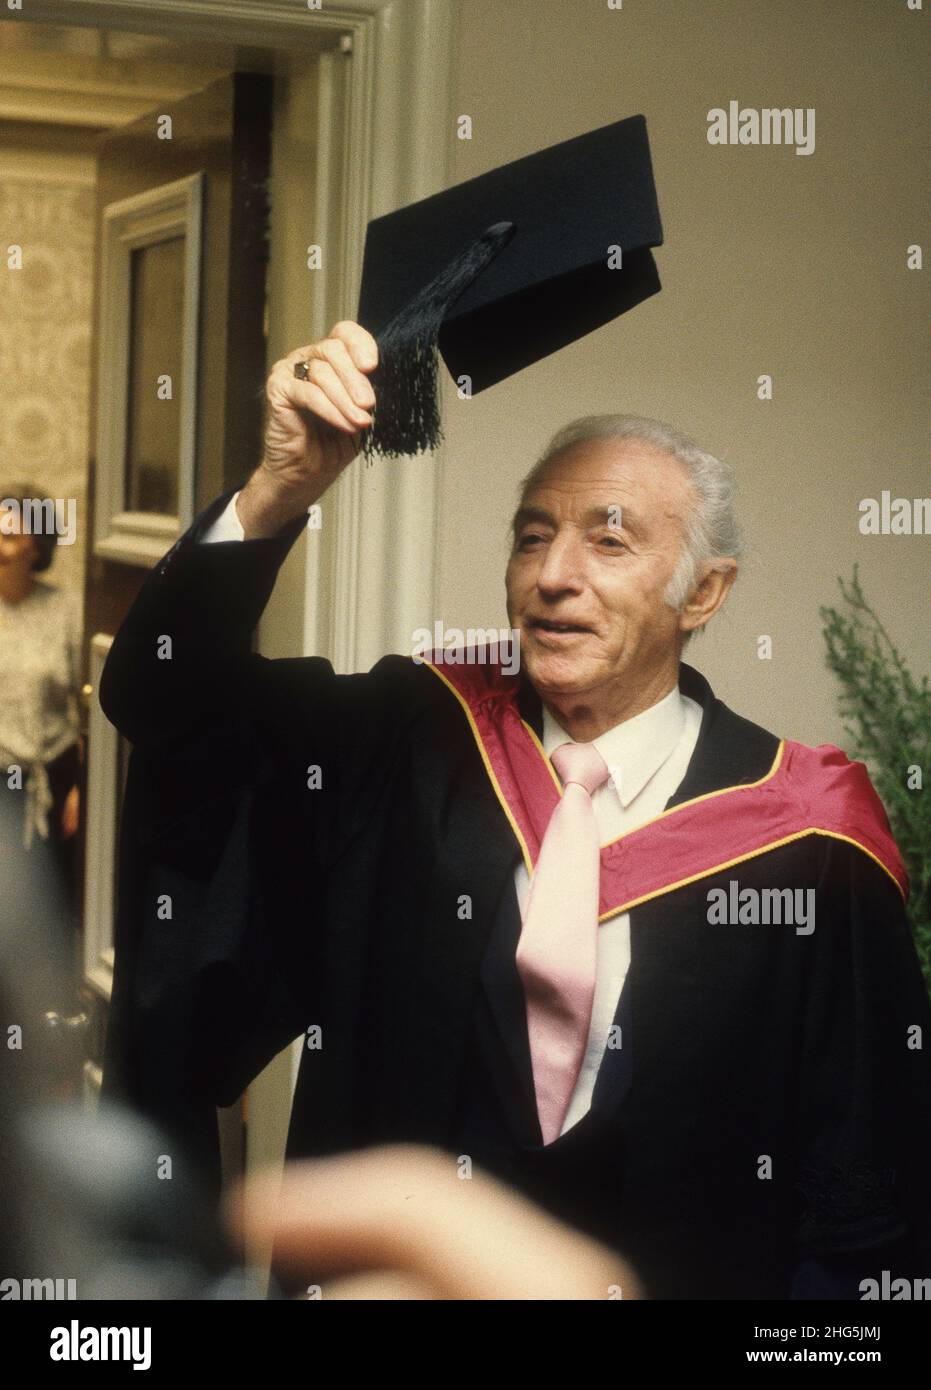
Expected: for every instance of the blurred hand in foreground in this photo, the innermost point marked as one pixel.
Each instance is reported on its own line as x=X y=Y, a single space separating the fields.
x=400 y=1223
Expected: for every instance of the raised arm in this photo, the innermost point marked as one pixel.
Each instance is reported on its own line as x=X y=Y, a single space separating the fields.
x=183 y=654
x=249 y=779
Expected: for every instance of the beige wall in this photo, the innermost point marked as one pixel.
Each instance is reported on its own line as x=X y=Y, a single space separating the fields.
x=773 y=263
x=47 y=207
x=289 y=300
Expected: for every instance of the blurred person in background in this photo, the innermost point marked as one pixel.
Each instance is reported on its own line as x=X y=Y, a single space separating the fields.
x=40 y=630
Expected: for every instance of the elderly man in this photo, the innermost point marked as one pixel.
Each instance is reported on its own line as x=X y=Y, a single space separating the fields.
x=581 y=924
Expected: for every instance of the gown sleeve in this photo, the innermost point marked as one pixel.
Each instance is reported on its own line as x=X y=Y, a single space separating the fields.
x=246 y=781
x=864 y=1139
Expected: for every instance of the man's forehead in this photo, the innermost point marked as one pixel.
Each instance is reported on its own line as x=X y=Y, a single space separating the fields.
x=590 y=486
x=622 y=468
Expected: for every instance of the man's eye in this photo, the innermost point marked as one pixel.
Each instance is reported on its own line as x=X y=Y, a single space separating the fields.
x=528 y=539
x=613 y=542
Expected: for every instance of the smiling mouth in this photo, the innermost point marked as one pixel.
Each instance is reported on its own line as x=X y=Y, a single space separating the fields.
x=556 y=629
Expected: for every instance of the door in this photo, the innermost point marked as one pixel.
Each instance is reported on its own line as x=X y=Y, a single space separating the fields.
x=176 y=411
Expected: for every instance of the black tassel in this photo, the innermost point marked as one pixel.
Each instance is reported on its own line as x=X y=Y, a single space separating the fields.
x=407 y=414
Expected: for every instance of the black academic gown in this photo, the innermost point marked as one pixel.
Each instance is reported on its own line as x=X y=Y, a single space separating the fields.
x=765 y=1108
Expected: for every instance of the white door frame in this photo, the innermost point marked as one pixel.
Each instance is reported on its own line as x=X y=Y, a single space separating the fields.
x=385 y=131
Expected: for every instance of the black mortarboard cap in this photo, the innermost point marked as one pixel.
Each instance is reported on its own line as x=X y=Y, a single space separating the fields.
x=502 y=270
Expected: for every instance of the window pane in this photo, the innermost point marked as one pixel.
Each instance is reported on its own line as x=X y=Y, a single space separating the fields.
x=155 y=338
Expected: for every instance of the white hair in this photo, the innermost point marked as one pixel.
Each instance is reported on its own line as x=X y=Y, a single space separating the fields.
x=712 y=532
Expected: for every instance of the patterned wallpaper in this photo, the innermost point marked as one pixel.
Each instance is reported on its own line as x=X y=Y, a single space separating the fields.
x=45 y=331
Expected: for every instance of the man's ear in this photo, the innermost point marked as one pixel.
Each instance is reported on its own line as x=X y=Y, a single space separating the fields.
x=708 y=595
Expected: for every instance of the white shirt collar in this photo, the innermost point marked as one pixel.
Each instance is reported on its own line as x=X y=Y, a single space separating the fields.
x=635 y=749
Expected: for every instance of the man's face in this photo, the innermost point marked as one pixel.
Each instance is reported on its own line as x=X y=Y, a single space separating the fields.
x=596 y=542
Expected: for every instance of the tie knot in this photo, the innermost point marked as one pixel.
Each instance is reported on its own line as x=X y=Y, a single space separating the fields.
x=581 y=763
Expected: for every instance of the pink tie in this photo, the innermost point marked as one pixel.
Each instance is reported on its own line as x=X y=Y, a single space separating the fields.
x=556 y=953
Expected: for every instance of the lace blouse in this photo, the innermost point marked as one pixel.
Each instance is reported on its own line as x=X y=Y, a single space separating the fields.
x=39 y=674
